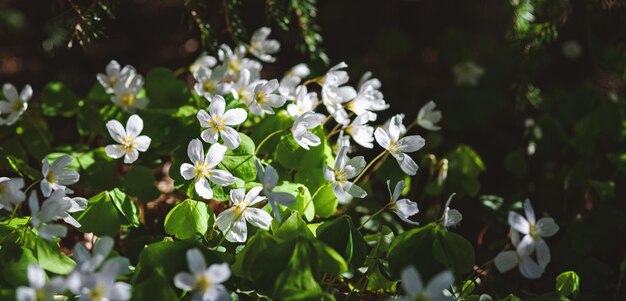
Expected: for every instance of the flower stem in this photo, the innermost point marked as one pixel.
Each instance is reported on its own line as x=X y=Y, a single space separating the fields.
x=268 y=138
x=374 y=215
x=314 y=195
x=369 y=165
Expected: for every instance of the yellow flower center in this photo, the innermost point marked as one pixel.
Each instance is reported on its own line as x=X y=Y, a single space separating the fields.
x=261 y=97
x=244 y=94
x=18 y=105
x=202 y=170
x=216 y=124
x=40 y=295
x=128 y=144
x=202 y=283
x=350 y=105
x=241 y=207
x=112 y=81
x=128 y=99
x=234 y=65
x=422 y=297
x=50 y=177
x=98 y=293
x=533 y=232
x=208 y=86
x=393 y=147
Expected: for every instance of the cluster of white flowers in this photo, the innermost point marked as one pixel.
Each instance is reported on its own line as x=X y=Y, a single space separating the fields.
x=93 y=278
x=534 y=232
x=125 y=84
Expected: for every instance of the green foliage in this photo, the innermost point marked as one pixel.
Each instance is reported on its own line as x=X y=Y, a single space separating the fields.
x=188 y=218
x=567 y=284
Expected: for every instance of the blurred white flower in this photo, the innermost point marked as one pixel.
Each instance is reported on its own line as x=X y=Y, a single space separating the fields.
x=101 y=286
x=534 y=232
x=269 y=179
x=301 y=127
x=428 y=117
x=203 y=61
x=261 y=47
x=235 y=61
x=130 y=143
x=203 y=168
x=362 y=133
x=414 y=286
x=209 y=82
x=11 y=192
x=232 y=221
x=344 y=170
x=291 y=79
x=403 y=208
x=572 y=49
x=52 y=209
x=218 y=122
x=126 y=94
x=507 y=260
x=243 y=87
x=303 y=102
x=56 y=176
x=114 y=74
x=38 y=289
x=467 y=73
x=15 y=104
x=398 y=147
x=205 y=282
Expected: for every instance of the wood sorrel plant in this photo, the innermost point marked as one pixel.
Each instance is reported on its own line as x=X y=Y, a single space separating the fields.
x=266 y=212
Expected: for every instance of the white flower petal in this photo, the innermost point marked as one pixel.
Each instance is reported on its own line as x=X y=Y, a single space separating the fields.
x=518 y=222
x=131 y=156
x=36 y=276
x=195 y=261
x=530 y=213
x=543 y=253
x=195 y=151
x=215 y=155
x=526 y=246
x=9 y=92
x=382 y=138
x=412 y=281
x=222 y=177
x=411 y=144
x=187 y=171
x=218 y=273
x=116 y=130
x=184 y=281
x=231 y=137
x=258 y=218
x=67 y=177
x=142 y=143
x=505 y=261
x=235 y=116
x=134 y=126
x=217 y=106
x=114 y=151
x=530 y=269
x=203 y=188
x=546 y=227
x=407 y=164
x=119 y=291
x=439 y=283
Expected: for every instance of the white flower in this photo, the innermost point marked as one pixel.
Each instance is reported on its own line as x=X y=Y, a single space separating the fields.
x=335 y=76
x=292 y=78
x=302 y=124
x=126 y=94
x=235 y=61
x=15 y=105
x=87 y=262
x=206 y=282
x=269 y=179
x=264 y=99
x=507 y=260
x=55 y=176
x=209 y=82
x=369 y=99
x=398 y=147
x=467 y=73
x=534 y=232
x=385 y=126
x=342 y=141
x=218 y=122
x=414 y=287
x=232 y=221
x=101 y=286
x=403 y=208
x=362 y=133
x=38 y=289
x=244 y=86
x=428 y=117
x=11 y=192
x=130 y=143
x=261 y=47
x=572 y=49
x=203 y=61
x=344 y=170
x=304 y=102
x=203 y=168
x=451 y=217
x=114 y=74
x=334 y=97
x=54 y=208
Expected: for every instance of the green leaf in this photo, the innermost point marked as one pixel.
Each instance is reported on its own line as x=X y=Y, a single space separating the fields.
x=292 y=227
x=165 y=91
x=156 y=287
x=14 y=264
x=188 y=218
x=325 y=202
x=343 y=237
x=240 y=161
x=292 y=156
x=453 y=251
x=58 y=99
x=568 y=283
x=126 y=207
x=139 y=182
x=101 y=216
x=303 y=198
x=23 y=169
x=270 y=124
x=376 y=278
x=99 y=175
x=50 y=257
x=415 y=247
